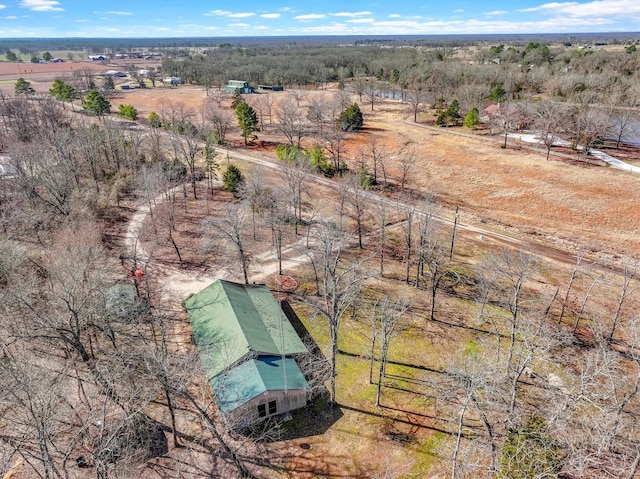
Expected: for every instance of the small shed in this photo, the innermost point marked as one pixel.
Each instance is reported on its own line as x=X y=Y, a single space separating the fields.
x=246 y=345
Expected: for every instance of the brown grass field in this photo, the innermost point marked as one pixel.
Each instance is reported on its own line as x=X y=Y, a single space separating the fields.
x=576 y=206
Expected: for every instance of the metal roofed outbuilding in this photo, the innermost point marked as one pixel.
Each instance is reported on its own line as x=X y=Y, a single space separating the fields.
x=245 y=343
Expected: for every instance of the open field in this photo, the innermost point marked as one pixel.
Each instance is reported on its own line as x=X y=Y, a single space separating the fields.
x=41 y=75
x=575 y=206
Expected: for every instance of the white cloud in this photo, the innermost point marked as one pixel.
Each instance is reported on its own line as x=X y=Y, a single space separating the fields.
x=42 y=5
x=494 y=13
x=395 y=15
x=118 y=12
x=218 y=13
x=239 y=25
x=458 y=10
x=228 y=14
x=310 y=16
x=11 y=17
x=240 y=15
x=286 y=9
x=270 y=15
x=2 y=6
x=350 y=14
x=81 y=20
x=597 y=8
x=361 y=20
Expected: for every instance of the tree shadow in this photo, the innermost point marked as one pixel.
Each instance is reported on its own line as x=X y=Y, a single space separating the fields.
x=389 y=361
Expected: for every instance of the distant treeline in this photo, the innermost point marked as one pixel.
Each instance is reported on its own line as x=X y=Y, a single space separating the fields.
x=102 y=45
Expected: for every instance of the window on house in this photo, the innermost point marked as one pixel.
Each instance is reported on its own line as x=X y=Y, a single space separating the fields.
x=262 y=410
x=272 y=407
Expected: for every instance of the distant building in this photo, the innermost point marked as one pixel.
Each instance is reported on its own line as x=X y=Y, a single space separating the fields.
x=243 y=86
x=173 y=81
x=271 y=87
x=516 y=117
x=246 y=346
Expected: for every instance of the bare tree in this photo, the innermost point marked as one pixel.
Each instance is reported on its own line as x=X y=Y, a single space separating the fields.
x=549 y=122
x=407 y=161
x=376 y=152
x=416 y=99
x=334 y=142
x=291 y=123
x=409 y=212
x=435 y=256
x=230 y=229
x=389 y=313
x=358 y=201
x=590 y=125
x=627 y=281
x=511 y=271
x=264 y=107
x=164 y=225
x=372 y=92
x=298 y=96
x=186 y=146
x=623 y=103
x=574 y=274
x=505 y=120
x=216 y=118
x=382 y=217
x=295 y=175
x=317 y=113
x=340 y=286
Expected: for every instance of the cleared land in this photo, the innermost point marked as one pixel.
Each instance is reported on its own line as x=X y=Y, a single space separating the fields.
x=576 y=206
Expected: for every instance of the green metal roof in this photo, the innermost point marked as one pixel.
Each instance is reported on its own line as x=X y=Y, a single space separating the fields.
x=230 y=320
x=241 y=384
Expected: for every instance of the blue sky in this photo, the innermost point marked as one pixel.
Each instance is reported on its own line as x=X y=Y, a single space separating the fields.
x=166 y=18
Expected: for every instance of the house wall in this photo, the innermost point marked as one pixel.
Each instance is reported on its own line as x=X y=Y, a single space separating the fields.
x=248 y=413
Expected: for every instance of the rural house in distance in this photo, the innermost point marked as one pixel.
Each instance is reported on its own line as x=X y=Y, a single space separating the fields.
x=245 y=343
x=234 y=85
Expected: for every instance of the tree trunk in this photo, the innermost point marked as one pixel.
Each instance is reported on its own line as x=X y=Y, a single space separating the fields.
x=454 y=459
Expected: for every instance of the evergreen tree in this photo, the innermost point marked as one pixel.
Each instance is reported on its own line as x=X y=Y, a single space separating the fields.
x=247 y=121
x=232 y=179
x=351 y=118
x=472 y=118
x=96 y=104
x=237 y=98
x=128 y=111
x=154 y=119
x=23 y=87
x=62 y=91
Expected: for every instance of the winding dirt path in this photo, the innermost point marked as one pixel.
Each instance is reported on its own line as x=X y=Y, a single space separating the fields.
x=182 y=283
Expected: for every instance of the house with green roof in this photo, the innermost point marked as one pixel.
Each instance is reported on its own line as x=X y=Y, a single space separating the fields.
x=246 y=346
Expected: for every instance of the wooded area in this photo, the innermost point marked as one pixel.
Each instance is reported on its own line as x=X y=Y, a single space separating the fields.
x=478 y=361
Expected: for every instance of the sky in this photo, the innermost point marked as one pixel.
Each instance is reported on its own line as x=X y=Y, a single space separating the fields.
x=166 y=18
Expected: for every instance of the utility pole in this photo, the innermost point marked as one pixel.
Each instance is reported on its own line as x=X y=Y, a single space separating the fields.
x=453 y=237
